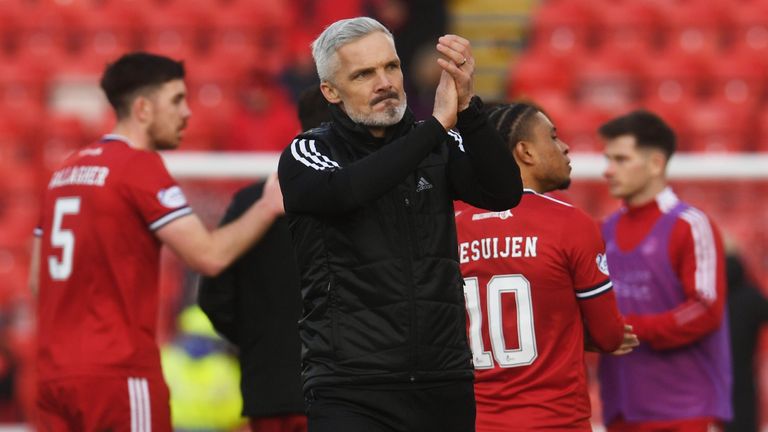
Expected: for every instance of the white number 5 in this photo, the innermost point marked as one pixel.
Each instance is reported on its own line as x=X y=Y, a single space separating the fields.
x=63 y=238
x=527 y=352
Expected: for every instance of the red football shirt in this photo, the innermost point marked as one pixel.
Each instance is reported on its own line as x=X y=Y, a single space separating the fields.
x=98 y=299
x=535 y=277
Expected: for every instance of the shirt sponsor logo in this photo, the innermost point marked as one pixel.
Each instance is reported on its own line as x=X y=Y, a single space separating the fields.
x=602 y=263
x=172 y=197
x=91 y=152
x=501 y=215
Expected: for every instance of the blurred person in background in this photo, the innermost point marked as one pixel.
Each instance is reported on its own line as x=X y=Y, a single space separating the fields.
x=256 y=303
x=413 y=24
x=667 y=265
x=265 y=117
x=203 y=376
x=105 y=215
x=312 y=109
x=10 y=407
x=748 y=312
x=369 y=202
x=537 y=271
x=424 y=77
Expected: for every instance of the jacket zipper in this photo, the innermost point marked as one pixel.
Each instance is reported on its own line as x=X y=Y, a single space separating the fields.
x=411 y=236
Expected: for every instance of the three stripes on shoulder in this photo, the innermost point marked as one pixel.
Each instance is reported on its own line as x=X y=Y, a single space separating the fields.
x=305 y=151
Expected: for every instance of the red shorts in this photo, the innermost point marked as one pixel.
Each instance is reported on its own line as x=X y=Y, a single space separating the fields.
x=286 y=423
x=104 y=403
x=687 y=425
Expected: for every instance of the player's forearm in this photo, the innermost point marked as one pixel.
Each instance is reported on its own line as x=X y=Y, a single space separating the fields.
x=210 y=252
x=679 y=327
x=230 y=241
x=33 y=282
x=603 y=321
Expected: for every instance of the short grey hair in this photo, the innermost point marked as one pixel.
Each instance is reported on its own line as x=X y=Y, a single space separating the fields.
x=336 y=36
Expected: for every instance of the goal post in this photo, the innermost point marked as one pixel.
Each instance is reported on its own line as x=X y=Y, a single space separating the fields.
x=683 y=166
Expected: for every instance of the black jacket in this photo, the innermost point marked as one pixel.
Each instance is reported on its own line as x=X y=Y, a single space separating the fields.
x=256 y=304
x=747 y=314
x=372 y=224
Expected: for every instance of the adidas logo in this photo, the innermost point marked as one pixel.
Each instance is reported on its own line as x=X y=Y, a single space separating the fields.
x=423 y=185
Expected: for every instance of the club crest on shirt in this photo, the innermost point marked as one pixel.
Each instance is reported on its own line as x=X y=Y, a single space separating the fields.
x=602 y=263
x=172 y=197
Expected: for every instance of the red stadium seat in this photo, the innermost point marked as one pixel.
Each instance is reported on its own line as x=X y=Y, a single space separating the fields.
x=10 y=17
x=607 y=82
x=308 y=19
x=17 y=149
x=211 y=117
x=214 y=78
x=232 y=30
x=21 y=83
x=312 y=17
x=694 y=27
x=108 y=32
x=258 y=29
x=63 y=135
x=172 y=29
x=749 y=28
x=46 y=30
x=579 y=129
x=555 y=104
x=672 y=77
x=629 y=26
x=534 y=73
x=563 y=27
x=201 y=135
x=738 y=77
x=719 y=127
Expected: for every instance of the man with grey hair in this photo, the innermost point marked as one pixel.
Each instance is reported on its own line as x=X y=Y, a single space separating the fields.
x=369 y=197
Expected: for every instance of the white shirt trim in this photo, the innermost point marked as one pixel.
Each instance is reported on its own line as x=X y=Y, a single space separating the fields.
x=547 y=197
x=116 y=137
x=169 y=217
x=667 y=200
x=595 y=291
x=141 y=409
x=705 y=252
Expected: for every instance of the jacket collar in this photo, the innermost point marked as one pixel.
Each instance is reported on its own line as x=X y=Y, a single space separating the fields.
x=358 y=134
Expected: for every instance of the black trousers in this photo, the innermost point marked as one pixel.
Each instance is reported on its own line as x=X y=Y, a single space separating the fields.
x=423 y=407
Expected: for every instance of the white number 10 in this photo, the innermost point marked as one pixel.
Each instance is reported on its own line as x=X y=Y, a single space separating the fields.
x=63 y=238
x=526 y=353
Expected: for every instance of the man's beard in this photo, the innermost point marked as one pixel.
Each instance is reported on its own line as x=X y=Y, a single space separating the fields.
x=390 y=116
x=159 y=142
x=564 y=185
